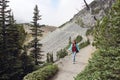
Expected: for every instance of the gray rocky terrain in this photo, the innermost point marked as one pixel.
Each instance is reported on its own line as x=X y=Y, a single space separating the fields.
x=59 y=38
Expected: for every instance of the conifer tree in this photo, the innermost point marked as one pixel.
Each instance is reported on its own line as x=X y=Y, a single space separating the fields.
x=36 y=32
x=10 y=45
x=4 y=19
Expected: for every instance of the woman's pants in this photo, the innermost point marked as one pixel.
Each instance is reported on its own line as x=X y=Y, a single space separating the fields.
x=73 y=56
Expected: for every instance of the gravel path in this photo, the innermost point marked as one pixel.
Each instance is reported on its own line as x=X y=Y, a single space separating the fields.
x=68 y=70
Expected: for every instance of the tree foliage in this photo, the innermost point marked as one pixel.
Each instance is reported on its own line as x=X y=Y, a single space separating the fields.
x=12 y=37
x=36 y=32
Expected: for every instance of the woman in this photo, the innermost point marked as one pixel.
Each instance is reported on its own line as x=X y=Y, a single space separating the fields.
x=74 y=48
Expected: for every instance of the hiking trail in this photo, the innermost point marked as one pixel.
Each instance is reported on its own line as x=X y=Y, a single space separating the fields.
x=68 y=70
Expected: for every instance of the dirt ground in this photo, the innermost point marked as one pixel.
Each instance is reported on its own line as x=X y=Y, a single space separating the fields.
x=68 y=70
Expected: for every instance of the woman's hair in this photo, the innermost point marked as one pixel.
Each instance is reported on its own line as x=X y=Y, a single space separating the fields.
x=74 y=41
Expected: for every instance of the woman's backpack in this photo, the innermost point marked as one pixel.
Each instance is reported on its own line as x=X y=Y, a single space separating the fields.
x=74 y=48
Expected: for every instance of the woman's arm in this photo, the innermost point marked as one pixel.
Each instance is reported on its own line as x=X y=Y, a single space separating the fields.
x=77 y=47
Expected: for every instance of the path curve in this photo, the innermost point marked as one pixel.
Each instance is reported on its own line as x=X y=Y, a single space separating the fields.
x=68 y=70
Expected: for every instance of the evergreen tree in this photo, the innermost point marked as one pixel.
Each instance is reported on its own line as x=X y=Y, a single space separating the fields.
x=36 y=32
x=51 y=58
x=4 y=24
x=6 y=51
x=27 y=63
x=10 y=45
x=48 y=58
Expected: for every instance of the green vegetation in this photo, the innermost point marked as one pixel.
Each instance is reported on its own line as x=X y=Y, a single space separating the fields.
x=84 y=44
x=80 y=22
x=104 y=64
x=69 y=43
x=78 y=38
x=14 y=61
x=89 y=31
x=49 y=58
x=62 y=53
x=96 y=11
x=35 y=33
x=44 y=73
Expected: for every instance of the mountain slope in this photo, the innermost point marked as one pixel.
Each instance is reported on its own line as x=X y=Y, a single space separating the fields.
x=78 y=25
x=59 y=38
x=85 y=17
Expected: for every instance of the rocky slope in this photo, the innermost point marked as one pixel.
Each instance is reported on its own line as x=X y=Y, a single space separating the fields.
x=78 y=25
x=98 y=8
x=59 y=38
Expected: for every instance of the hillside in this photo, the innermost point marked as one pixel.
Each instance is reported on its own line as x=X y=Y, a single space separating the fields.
x=45 y=28
x=59 y=38
x=48 y=29
x=78 y=25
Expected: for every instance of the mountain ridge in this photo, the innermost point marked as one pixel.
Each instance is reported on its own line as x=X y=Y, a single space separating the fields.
x=85 y=17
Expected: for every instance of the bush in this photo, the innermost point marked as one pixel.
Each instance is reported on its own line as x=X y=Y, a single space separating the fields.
x=78 y=38
x=68 y=46
x=104 y=65
x=42 y=74
x=80 y=22
x=49 y=58
x=96 y=11
x=84 y=44
x=62 y=53
x=89 y=31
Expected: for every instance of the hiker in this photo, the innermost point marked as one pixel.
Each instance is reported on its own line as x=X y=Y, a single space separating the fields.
x=75 y=49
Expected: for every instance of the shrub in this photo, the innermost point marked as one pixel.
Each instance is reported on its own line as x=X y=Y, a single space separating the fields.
x=49 y=58
x=104 y=65
x=42 y=74
x=80 y=22
x=84 y=44
x=62 y=53
x=89 y=31
x=96 y=11
x=78 y=38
